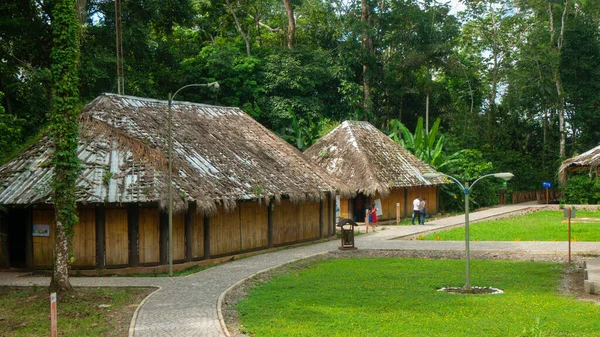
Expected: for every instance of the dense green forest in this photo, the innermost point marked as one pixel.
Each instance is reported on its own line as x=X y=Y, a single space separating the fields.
x=506 y=85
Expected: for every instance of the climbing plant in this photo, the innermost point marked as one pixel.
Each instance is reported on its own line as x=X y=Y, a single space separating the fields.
x=65 y=135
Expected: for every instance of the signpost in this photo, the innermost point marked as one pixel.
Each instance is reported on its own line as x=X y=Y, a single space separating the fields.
x=547 y=185
x=53 y=320
x=569 y=212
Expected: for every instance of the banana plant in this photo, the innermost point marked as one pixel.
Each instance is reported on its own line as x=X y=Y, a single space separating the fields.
x=424 y=145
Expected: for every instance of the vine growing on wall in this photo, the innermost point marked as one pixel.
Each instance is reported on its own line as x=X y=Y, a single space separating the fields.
x=65 y=134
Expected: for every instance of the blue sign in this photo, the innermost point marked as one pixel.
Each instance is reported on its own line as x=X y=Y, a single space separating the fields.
x=547 y=184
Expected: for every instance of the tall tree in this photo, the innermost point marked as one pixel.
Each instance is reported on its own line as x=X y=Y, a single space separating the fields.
x=65 y=135
x=367 y=53
x=289 y=9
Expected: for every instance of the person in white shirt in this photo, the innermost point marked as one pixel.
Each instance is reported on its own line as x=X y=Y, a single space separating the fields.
x=416 y=210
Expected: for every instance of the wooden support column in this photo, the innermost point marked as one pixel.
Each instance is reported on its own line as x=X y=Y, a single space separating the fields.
x=270 y=209
x=321 y=220
x=100 y=236
x=29 y=238
x=133 y=228
x=188 y=231
x=164 y=238
x=4 y=258
x=206 y=237
x=332 y=212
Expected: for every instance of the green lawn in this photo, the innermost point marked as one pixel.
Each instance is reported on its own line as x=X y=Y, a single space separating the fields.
x=399 y=297
x=538 y=226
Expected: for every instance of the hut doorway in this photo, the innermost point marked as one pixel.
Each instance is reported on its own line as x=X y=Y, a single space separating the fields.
x=17 y=236
x=360 y=206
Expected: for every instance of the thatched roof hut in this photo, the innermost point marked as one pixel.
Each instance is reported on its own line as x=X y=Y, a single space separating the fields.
x=221 y=156
x=589 y=160
x=367 y=161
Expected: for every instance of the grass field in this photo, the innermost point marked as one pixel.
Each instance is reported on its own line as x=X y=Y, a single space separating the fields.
x=25 y=311
x=399 y=297
x=538 y=226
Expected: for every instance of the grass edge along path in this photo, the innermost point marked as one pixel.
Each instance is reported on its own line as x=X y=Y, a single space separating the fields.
x=392 y=297
x=543 y=225
x=25 y=311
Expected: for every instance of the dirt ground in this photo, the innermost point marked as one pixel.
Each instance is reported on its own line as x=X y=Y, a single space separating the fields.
x=570 y=285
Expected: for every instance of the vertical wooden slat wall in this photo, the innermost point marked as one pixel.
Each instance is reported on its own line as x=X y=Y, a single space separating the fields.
x=430 y=192
x=179 y=236
x=149 y=235
x=197 y=235
x=117 y=241
x=224 y=232
x=4 y=258
x=344 y=213
x=326 y=216
x=84 y=241
x=43 y=246
x=254 y=225
x=309 y=213
x=286 y=223
x=388 y=204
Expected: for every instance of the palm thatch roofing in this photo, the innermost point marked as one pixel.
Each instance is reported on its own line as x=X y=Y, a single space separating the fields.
x=589 y=160
x=367 y=161
x=220 y=156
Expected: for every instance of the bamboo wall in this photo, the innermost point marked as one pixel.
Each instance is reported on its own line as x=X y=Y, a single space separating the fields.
x=344 y=209
x=117 y=241
x=149 y=235
x=326 y=216
x=388 y=203
x=43 y=246
x=84 y=240
x=179 y=236
x=197 y=223
x=429 y=192
x=295 y=222
x=225 y=232
x=254 y=225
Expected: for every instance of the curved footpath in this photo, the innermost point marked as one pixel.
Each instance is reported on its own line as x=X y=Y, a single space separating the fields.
x=188 y=306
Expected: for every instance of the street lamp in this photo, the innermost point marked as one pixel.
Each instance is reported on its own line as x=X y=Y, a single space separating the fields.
x=171 y=97
x=505 y=176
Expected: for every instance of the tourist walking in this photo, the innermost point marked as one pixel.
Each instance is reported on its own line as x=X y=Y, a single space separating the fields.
x=416 y=210
x=422 y=208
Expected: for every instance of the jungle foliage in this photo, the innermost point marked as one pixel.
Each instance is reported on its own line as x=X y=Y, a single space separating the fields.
x=512 y=85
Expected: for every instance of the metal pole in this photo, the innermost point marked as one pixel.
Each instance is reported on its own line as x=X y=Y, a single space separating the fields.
x=170 y=188
x=467 y=249
x=569 y=211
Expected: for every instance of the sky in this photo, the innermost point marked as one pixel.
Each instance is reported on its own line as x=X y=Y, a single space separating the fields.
x=455 y=6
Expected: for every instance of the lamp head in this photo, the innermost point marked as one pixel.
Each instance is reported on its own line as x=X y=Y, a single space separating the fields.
x=431 y=175
x=214 y=84
x=504 y=175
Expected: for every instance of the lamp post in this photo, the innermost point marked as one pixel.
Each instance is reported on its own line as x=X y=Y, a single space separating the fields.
x=466 y=189
x=170 y=116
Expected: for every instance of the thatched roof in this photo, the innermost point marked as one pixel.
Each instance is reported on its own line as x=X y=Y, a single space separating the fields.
x=589 y=160
x=366 y=160
x=221 y=156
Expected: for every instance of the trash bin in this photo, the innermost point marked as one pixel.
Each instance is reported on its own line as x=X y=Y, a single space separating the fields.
x=347 y=227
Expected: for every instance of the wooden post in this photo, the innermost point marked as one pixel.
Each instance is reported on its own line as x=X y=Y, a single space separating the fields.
x=569 y=221
x=367 y=221
x=133 y=216
x=406 y=202
x=270 y=208
x=547 y=196
x=29 y=238
x=397 y=213
x=206 y=237
x=188 y=231
x=321 y=218
x=100 y=236
x=164 y=238
x=53 y=318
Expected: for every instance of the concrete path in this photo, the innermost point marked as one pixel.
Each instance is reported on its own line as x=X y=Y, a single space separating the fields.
x=188 y=306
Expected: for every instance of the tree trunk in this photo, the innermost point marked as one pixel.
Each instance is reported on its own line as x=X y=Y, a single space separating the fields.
x=560 y=100
x=64 y=128
x=366 y=51
x=60 y=277
x=239 y=28
x=291 y=23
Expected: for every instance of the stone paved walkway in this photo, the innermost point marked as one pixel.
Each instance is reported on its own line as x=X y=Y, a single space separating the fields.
x=187 y=306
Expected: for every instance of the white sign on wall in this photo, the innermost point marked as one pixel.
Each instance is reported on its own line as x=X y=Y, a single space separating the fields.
x=378 y=206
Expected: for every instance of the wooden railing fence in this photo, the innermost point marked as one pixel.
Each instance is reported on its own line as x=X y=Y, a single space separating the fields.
x=538 y=195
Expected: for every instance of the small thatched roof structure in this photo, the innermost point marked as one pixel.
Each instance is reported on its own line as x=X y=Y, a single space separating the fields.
x=589 y=160
x=221 y=156
x=367 y=161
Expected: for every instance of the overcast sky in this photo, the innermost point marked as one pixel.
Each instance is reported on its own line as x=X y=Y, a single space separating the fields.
x=455 y=5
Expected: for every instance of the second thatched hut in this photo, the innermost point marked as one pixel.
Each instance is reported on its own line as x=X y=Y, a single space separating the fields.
x=378 y=169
